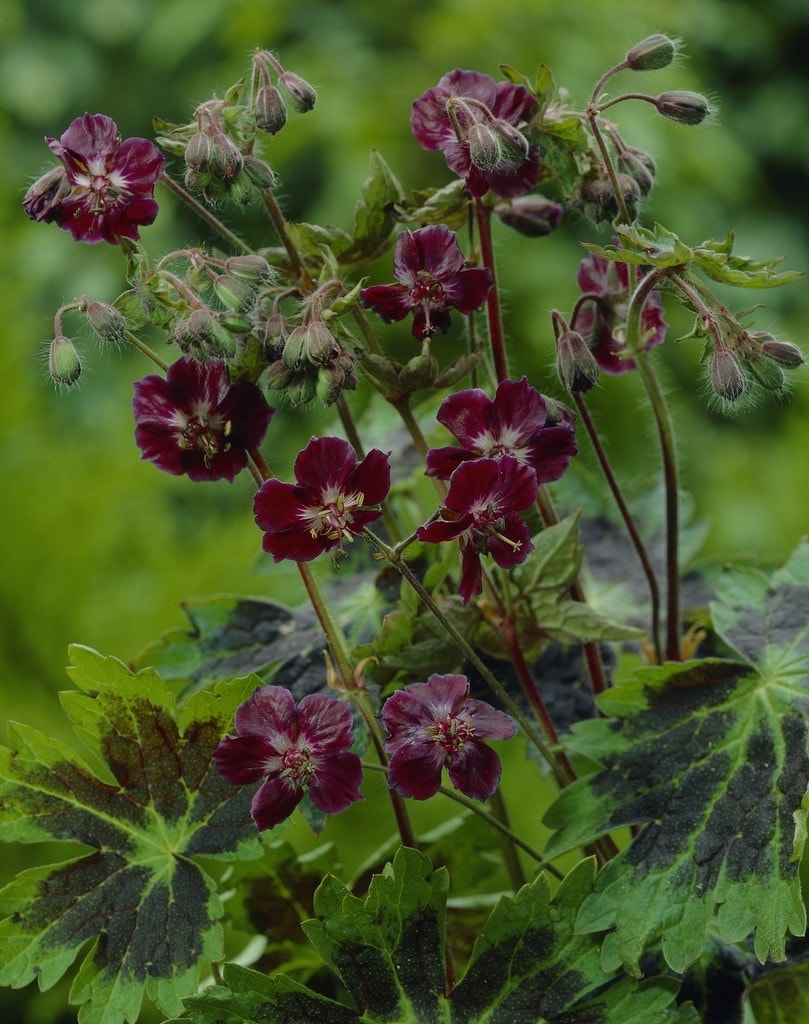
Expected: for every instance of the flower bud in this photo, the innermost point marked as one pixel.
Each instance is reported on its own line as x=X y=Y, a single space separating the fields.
x=311 y=343
x=199 y=153
x=251 y=267
x=514 y=146
x=640 y=166
x=656 y=51
x=259 y=172
x=107 y=322
x=728 y=379
x=785 y=353
x=683 y=106
x=64 y=362
x=44 y=196
x=226 y=160
x=533 y=216
x=484 y=146
x=330 y=383
x=300 y=91
x=418 y=372
x=767 y=372
x=269 y=109
x=575 y=363
x=236 y=294
x=599 y=201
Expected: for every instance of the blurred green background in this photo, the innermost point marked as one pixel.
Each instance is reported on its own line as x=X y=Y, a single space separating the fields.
x=98 y=547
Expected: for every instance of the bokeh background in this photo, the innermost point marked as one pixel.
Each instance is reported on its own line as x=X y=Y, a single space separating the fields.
x=99 y=548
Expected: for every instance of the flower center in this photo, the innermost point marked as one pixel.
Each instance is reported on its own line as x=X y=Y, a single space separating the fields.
x=452 y=733
x=210 y=438
x=335 y=516
x=297 y=765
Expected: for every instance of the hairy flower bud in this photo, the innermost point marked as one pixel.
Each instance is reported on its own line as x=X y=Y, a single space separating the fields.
x=199 y=153
x=575 y=363
x=785 y=353
x=767 y=372
x=64 y=362
x=533 y=216
x=640 y=166
x=259 y=172
x=683 y=106
x=251 y=267
x=653 y=52
x=310 y=343
x=43 y=198
x=484 y=146
x=269 y=109
x=226 y=160
x=418 y=372
x=107 y=322
x=234 y=293
x=599 y=201
x=300 y=91
x=728 y=379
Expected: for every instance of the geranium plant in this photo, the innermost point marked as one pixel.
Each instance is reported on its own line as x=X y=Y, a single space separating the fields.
x=663 y=742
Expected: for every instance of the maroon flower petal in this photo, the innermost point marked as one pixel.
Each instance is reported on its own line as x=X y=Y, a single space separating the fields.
x=269 y=713
x=324 y=464
x=471 y=584
x=274 y=802
x=324 y=723
x=243 y=759
x=507 y=555
x=390 y=302
x=371 y=478
x=468 y=290
x=433 y=250
x=476 y=771
x=335 y=783
x=415 y=771
x=488 y=722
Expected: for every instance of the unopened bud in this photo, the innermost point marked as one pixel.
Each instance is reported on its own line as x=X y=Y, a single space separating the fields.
x=64 y=362
x=532 y=216
x=418 y=372
x=44 y=196
x=311 y=343
x=330 y=383
x=785 y=353
x=106 y=321
x=301 y=92
x=683 y=106
x=513 y=144
x=600 y=202
x=234 y=293
x=767 y=372
x=484 y=146
x=269 y=109
x=640 y=166
x=249 y=268
x=259 y=172
x=657 y=51
x=199 y=153
x=575 y=363
x=226 y=160
x=728 y=379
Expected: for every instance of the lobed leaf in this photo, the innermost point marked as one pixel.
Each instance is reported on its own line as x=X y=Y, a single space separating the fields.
x=143 y=911
x=710 y=758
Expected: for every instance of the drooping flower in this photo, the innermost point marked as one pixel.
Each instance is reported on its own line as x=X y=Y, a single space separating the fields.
x=516 y=422
x=482 y=510
x=194 y=421
x=478 y=123
x=105 y=188
x=330 y=502
x=432 y=279
x=436 y=725
x=292 y=751
x=601 y=318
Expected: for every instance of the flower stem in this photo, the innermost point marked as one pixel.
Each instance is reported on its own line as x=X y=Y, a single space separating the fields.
x=135 y=342
x=668 y=452
x=493 y=312
x=280 y=225
x=205 y=214
x=629 y=522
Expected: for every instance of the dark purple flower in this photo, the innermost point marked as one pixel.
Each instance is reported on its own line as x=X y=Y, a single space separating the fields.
x=195 y=421
x=601 y=318
x=515 y=423
x=477 y=124
x=106 y=189
x=481 y=510
x=437 y=725
x=432 y=278
x=293 y=751
x=328 y=504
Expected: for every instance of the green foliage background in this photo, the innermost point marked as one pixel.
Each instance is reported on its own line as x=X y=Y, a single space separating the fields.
x=98 y=547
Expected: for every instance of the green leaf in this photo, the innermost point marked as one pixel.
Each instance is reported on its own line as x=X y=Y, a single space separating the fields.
x=529 y=967
x=781 y=996
x=388 y=948
x=710 y=758
x=231 y=636
x=148 y=913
